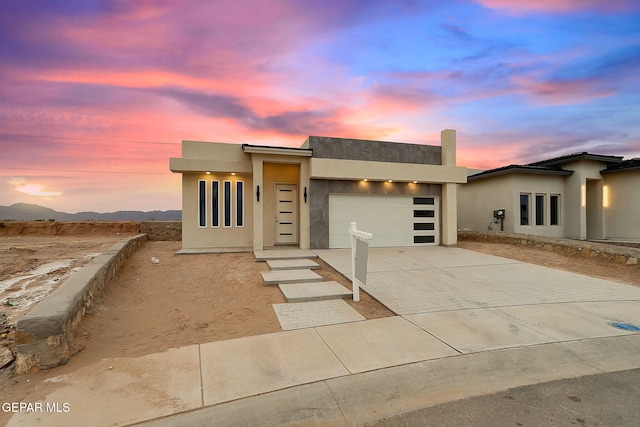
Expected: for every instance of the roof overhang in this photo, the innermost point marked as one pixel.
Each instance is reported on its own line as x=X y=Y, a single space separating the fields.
x=287 y=151
x=577 y=156
x=535 y=170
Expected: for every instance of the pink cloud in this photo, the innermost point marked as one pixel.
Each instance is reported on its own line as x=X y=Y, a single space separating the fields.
x=559 y=92
x=561 y=6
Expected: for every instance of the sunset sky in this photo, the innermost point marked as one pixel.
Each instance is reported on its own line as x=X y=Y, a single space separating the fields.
x=95 y=96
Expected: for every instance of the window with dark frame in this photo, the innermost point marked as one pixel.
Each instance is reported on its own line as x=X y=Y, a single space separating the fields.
x=215 y=203
x=227 y=204
x=239 y=204
x=202 y=203
x=524 y=209
x=539 y=209
x=554 y=205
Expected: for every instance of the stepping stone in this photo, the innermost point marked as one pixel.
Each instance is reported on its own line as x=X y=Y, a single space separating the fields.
x=290 y=276
x=283 y=254
x=302 y=292
x=291 y=264
x=315 y=313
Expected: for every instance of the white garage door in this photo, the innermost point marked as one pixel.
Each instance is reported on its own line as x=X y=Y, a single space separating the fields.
x=393 y=220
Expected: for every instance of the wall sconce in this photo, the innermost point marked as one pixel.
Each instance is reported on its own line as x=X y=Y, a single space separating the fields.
x=305 y=194
x=258 y=192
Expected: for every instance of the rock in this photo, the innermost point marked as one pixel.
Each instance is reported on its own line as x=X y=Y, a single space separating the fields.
x=6 y=357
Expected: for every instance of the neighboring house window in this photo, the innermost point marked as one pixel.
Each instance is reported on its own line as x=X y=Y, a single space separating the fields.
x=524 y=209
x=239 y=204
x=227 y=203
x=202 y=203
x=215 y=203
x=554 y=205
x=539 y=209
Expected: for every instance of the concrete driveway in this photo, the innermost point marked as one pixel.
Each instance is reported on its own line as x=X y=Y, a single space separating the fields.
x=477 y=302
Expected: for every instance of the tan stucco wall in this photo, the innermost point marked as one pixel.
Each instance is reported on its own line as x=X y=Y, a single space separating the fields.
x=478 y=199
x=208 y=156
x=382 y=171
x=622 y=205
x=576 y=196
x=219 y=237
x=546 y=185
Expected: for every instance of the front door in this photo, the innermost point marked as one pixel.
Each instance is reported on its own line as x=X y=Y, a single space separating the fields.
x=286 y=213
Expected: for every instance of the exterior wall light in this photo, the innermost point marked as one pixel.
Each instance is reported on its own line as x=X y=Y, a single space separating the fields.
x=305 y=194
x=258 y=193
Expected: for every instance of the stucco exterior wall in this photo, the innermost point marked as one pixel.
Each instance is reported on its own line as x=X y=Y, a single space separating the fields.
x=622 y=205
x=194 y=236
x=545 y=185
x=478 y=199
x=576 y=196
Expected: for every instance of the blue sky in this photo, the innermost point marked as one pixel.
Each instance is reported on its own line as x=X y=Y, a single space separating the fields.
x=97 y=95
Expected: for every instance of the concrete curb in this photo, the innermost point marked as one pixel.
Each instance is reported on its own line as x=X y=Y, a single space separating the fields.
x=45 y=334
x=355 y=399
x=619 y=254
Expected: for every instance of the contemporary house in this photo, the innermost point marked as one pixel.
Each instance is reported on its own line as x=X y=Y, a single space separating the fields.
x=251 y=197
x=579 y=196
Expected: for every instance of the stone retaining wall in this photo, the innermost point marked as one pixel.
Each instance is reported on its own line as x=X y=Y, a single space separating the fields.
x=162 y=230
x=44 y=335
x=618 y=254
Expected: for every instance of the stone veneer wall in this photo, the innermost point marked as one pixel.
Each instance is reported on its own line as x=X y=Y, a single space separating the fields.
x=613 y=253
x=319 y=191
x=162 y=230
x=376 y=151
x=44 y=336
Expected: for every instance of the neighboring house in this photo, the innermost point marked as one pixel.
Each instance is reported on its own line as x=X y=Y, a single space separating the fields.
x=243 y=197
x=579 y=196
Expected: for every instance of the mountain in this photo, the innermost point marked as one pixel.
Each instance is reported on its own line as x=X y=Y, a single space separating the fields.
x=30 y=212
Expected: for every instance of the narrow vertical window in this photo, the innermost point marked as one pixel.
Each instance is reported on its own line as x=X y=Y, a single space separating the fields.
x=227 y=203
x=215 y=204
x=524 y=209
x=539 y=209
x=239 y=203
x=554 y=204
x=202 y=203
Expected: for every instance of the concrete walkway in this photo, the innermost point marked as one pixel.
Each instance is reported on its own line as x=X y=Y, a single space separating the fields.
x=470 y=324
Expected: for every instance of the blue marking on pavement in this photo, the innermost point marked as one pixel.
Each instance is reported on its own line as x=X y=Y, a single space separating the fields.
x=625 y=326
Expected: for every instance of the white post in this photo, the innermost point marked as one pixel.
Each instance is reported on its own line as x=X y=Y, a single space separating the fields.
x=354 y=281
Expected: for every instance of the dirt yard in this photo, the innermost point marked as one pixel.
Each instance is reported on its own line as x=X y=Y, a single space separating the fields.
x=182 y=300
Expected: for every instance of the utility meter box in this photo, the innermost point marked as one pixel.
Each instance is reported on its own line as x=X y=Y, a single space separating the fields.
x=499 y=214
